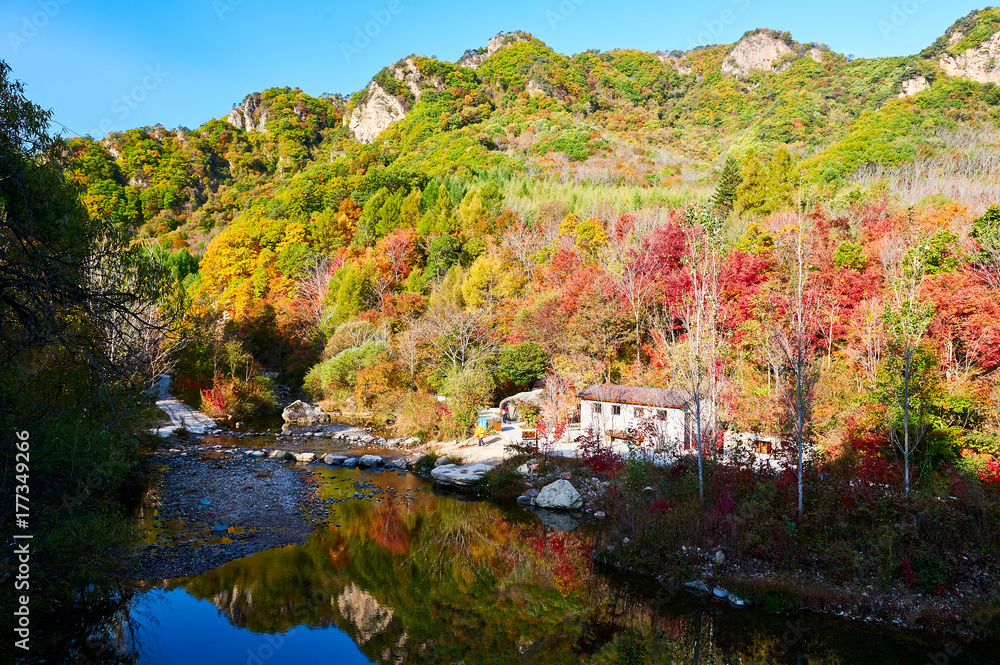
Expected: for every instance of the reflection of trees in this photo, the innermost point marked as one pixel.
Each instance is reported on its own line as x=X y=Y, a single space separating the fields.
x=438 y=581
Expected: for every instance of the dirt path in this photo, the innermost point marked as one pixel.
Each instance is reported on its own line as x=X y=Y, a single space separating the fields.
x=180 y=414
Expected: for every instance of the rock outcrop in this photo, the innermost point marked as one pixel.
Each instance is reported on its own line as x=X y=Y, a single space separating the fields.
x=912 y=86
x=560 y=495
x=372 y=118
x=472 y=59
x=980 y=63
x=245 y=115
x=756 y=51
x=676 y=60
x=453 y=475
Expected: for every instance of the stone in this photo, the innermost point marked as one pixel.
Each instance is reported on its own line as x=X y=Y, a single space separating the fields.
x=913 y=85
x=370 y=119
x=279 y=454
x=477 y=57
x=720 y=557
x=351 y=462
x=368 y=461
x=697 y=587
x=242 y=117
x=524 y=470
x=600 y=515
x=334 y=460
x=560 y=495
x=980 y=63
x=256 y=453
x=556 y=520
x=736 y=601
x=440 y=461
x=532 y=493
x=524 y=500
x=720 y=593
x=756 y=51
x=305 y=457
x=219 y=526
x=464 y=476
x=302 y=413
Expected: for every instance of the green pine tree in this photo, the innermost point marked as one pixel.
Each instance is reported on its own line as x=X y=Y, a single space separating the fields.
x=724 y=198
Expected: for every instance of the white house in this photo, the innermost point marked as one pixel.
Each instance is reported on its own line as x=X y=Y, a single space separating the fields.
x=612 y=411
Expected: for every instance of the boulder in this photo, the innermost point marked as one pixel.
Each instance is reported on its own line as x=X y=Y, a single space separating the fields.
x=256 y=453
x=464 y=476
x=279 y=454
x=305 y=457
x=334 y=460
x=368 y=461
x=560 y=495
x=298 y=411
x=351 y=462
x=532 y=493
x=524 y=500
x=720 y=593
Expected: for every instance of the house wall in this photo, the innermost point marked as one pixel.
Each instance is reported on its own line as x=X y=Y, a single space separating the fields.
x=600 y=417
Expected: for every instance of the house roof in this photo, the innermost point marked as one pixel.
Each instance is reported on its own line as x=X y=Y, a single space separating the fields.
x=662 y=397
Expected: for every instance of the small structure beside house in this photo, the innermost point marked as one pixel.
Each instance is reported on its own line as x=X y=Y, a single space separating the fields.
x=619 y=412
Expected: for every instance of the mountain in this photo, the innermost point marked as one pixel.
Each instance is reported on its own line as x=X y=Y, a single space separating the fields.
x=626 y=117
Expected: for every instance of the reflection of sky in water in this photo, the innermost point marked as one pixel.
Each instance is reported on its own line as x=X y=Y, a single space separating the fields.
x=186 y=631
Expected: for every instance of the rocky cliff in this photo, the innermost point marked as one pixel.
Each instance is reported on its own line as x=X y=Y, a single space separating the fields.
x=980 y=63
x=756 y=51
x=473 y=59
x=249 y=115
x=380 y=109
x=371 y=118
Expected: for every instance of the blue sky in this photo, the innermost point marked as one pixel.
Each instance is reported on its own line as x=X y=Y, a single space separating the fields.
x=105 y=65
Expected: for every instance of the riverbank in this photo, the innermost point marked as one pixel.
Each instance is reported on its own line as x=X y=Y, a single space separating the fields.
x=208 y=504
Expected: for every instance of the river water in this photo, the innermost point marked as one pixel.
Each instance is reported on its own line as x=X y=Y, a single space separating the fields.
x=406 y=575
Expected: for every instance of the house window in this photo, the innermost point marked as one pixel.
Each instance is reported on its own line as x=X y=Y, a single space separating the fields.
x=762 y=447
x=640 y=413
x=616 y=410
x=596 y=408
x=661 y=414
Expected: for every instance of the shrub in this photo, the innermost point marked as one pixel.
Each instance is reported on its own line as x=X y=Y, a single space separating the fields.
x=469 y=391
x=229 y=397
x=341 y=371
x=503 y=481
x=420 y=415
x=425 y=463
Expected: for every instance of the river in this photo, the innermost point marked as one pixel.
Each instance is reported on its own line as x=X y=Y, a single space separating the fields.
x=402 y=574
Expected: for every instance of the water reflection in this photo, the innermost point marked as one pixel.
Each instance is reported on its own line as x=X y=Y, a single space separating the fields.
x=410 y=576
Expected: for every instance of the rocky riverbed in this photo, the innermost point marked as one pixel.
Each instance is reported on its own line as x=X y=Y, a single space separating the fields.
x=209 y=504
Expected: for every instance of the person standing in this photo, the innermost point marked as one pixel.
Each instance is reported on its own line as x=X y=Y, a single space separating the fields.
x=480 y=433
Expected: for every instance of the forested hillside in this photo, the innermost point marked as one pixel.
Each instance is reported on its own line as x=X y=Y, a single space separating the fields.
x=467 y=228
